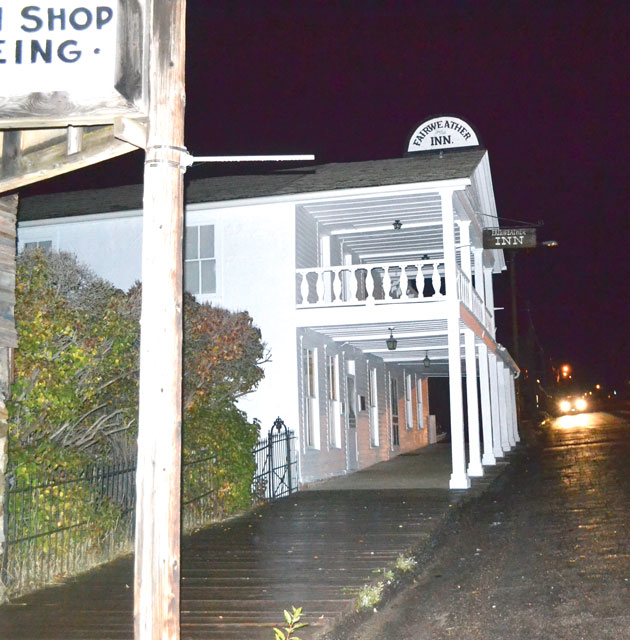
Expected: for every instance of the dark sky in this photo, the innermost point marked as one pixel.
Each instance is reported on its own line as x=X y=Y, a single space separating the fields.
x=545 y=84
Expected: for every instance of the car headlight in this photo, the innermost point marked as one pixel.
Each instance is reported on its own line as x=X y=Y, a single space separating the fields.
x=565 y=406
x=581 y=404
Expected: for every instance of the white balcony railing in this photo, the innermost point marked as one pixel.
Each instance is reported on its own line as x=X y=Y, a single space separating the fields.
x=472 y=300
x=384 y=283
x=360 y=284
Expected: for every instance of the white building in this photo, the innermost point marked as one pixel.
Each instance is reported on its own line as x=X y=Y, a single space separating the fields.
x=315 y=257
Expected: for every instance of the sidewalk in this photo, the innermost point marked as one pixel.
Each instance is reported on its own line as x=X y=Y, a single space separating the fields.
x=315 y=549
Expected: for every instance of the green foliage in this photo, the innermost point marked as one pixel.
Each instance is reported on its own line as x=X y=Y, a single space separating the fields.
x=75 y=396
x=76 y=365
x=222 y=354
x=292 y=620
x=226 y=434
x=369 y=596
x=405 y=563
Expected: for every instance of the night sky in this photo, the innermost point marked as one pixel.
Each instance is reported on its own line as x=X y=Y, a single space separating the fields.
x=545 y=84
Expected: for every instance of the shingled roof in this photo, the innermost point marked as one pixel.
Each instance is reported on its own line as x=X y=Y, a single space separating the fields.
x=328 y=177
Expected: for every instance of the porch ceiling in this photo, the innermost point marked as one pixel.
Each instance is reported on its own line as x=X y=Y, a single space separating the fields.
x=364 y=226
x=416 y=340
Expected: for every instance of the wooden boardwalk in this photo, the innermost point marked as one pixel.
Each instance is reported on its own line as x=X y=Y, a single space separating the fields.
x=315 y=549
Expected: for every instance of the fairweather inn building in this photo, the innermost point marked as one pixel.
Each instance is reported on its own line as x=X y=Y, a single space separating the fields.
x=366 y=279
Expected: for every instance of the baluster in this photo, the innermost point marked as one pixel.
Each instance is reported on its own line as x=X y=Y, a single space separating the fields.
x=370 y=284
x=404 y=282
x=327 y=277
x=319 y=286
x=336 y=285
x=387 y=283
x=422 y=274
x=436 y=281
x=353 y=285
x=419 y=281
x=304 y=288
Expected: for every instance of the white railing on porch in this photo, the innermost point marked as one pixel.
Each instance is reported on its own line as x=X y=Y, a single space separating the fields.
x=471 y=299
x=370 y=283
x=384 y=283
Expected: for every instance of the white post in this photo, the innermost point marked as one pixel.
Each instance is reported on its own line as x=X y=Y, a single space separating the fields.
x=472 y=403
x=459 y=477
x=495 y=401
x=512 y=390
x=324 y=261
x=486 y=411
x=506 y=444
x=487 y=278
x=464 y=250
x=479 y=277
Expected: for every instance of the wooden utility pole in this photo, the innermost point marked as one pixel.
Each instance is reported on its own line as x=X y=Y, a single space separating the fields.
x=157 y=560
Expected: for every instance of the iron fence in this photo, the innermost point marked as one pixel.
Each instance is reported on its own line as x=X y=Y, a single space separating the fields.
x=61 y=524
x=199 y=497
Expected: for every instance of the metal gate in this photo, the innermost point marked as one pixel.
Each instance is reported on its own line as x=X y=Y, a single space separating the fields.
x=276 y=464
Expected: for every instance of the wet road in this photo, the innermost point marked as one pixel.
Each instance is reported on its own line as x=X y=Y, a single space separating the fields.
x=545 y=556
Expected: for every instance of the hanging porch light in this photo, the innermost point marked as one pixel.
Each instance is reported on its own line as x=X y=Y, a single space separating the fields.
x=391 y=342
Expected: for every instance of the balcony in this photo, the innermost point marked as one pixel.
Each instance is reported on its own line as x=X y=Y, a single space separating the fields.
x=385 y=283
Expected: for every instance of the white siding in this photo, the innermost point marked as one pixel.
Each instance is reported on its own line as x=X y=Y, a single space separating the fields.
x=306 y=240
x=111 y=246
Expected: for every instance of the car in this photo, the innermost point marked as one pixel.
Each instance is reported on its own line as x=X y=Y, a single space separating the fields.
x=572 y=404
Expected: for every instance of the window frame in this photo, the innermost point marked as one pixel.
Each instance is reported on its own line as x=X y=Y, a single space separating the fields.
x=200 y=260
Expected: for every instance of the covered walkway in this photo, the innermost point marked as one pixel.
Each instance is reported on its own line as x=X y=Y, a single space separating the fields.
x=315 y=549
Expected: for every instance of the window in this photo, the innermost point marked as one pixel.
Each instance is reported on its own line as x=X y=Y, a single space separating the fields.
x=408 y=402
x=200 y=269
x=334 y=402
x=393 y=395
x=45 y=245
x=373 y=400
x=310 y=399
x=419 y=405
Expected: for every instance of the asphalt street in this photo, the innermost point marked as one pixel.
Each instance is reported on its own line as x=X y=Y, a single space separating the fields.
x=546 y=555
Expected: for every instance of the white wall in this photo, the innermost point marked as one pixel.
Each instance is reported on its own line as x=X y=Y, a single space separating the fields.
x=111 y=244
x=255 y=250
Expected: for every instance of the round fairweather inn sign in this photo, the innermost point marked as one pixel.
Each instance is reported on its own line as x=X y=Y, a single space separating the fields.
x=441 y=133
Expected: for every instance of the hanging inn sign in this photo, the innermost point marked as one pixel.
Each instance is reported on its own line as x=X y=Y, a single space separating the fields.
x=504 y=238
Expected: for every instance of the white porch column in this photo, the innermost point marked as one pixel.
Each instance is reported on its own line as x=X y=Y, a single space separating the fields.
x=472 y=404
x=324 y=259
x=487 y=279
x=495 y=402
x=506 y=442
x=464 y=247
x=459 y=477
x=508 y=402
x=479 y=277
x=512 y=389
x=486 y=411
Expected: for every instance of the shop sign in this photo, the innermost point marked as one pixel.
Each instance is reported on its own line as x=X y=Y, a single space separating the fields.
x=58 y=45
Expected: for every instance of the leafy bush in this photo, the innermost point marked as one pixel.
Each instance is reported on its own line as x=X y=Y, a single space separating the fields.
x=76 y=366
x=75 y=395
x=231 y=439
